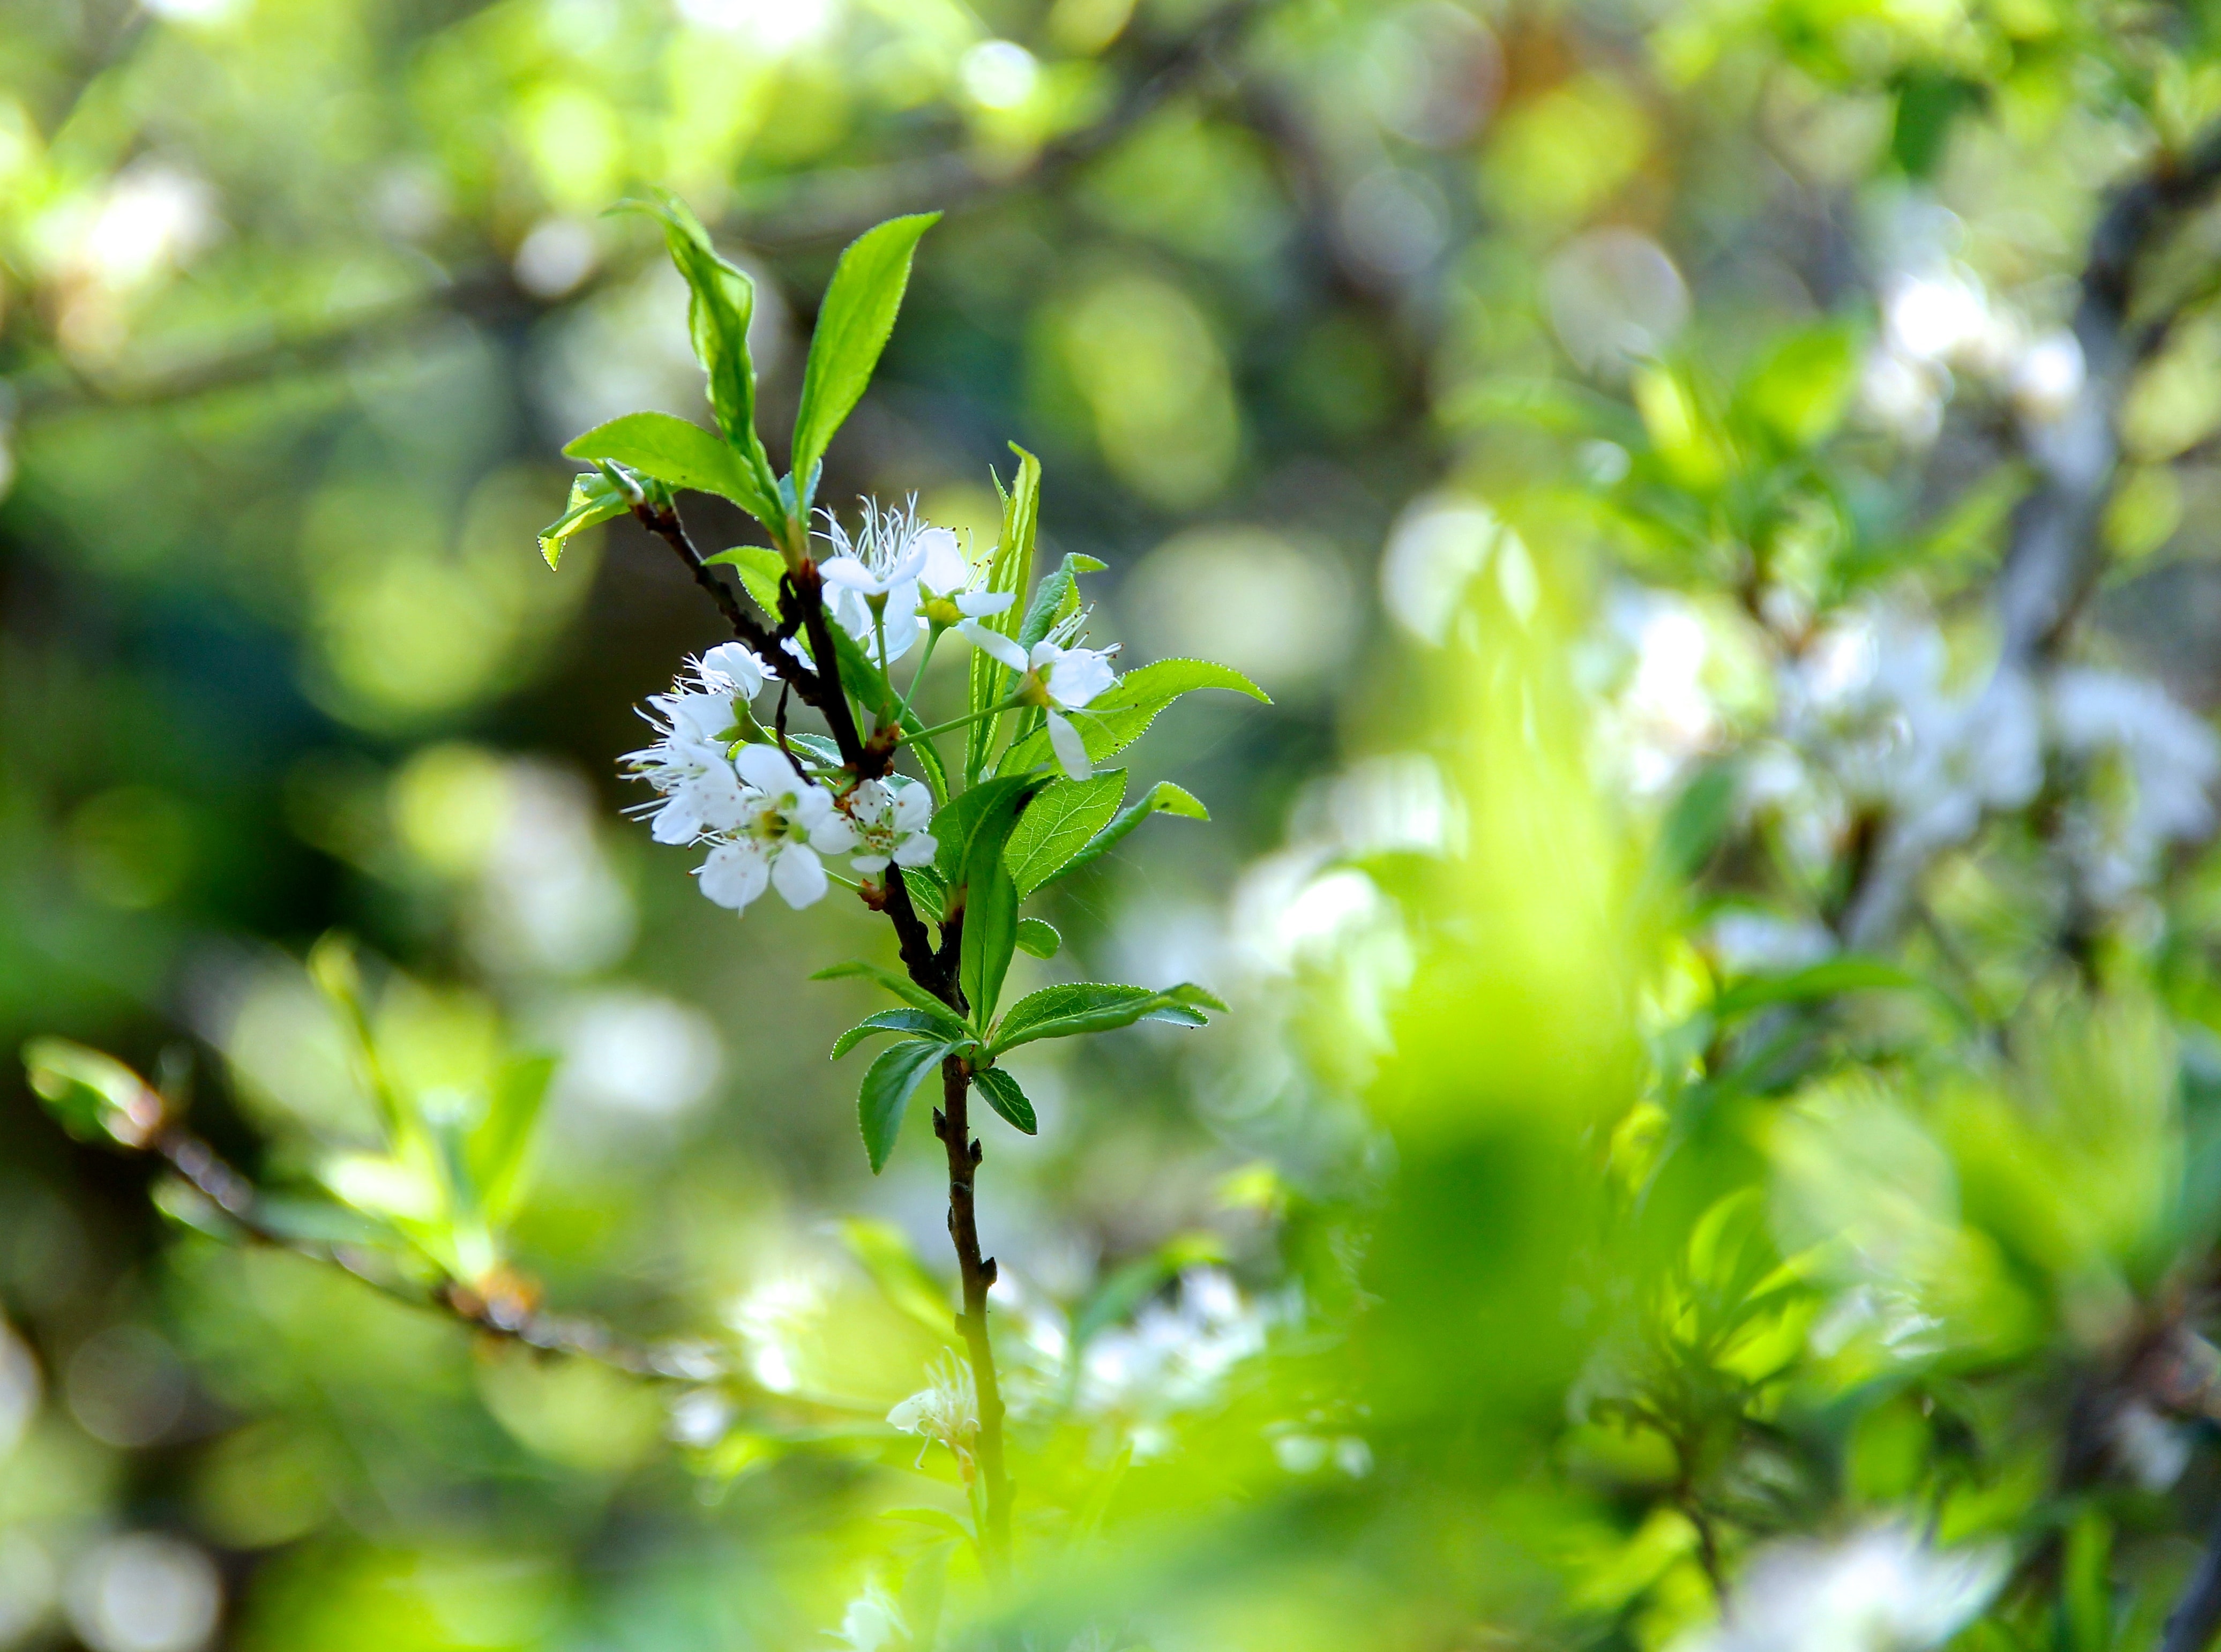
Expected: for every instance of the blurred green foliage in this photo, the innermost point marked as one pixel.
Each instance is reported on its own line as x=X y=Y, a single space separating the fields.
x=1722 y=1098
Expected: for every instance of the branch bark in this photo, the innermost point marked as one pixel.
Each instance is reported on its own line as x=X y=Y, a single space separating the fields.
x=952 y=1124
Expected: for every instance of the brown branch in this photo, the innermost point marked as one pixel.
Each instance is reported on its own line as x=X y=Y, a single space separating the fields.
x=952 y=1124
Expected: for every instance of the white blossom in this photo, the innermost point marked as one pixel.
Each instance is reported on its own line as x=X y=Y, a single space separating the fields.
x=1056 y=678
x=735 y=667
x=873 y=1623
x=786 y=822
x=1174 y=1356
x=946 y=1412
x=873 y=580
x=2169 y=757
x=889 y=818
x=1882 y=1590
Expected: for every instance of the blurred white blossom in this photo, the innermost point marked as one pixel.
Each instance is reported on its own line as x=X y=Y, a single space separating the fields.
x=1882 y=1590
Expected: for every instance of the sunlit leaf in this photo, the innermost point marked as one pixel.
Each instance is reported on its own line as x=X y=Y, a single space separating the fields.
x=853 y=327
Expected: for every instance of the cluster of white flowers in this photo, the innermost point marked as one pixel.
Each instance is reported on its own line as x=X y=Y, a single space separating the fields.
x=767 y=822
x=1872 y=706
x=1175 y=1356
x=1939 y=320
x=1886 y=1589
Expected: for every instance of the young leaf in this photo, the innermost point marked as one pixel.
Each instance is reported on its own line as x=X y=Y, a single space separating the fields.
x=500 y=1147
x=1163 y=798
x=852 y=325
x=1038 y=938
x=593 y=499
x=990 y=930
x=1005 y=1097
x=1010 y=571
x=895 y=1268
x=678 y=452
x=1057 y=826
x=987 y=807
x=938 y=1023
x=721 y=301
x=1079 y=1007
x=901 y=985
x=1123 y=712
x=92 y=1095
x=888 y=1086
x=928 y=894
x=1057 y=597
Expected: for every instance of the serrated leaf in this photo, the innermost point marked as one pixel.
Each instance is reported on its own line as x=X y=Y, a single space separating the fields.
x=1011 y=570
x=1078 y=1007
x=853 y=327
x=1005 y=1097
x=1057 y=598
x=984 y=807
x=928 y=894
x=676 y=451
x=1163 y=798
x=990 y=930
x=936 y=1023
x=1123 y=711
x=594 y=498
x=901 y=985
x=1038 y=938
x=888 y=1086
x=721 y=301
x=1058 y=824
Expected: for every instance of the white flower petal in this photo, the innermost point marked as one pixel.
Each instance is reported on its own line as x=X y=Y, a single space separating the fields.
x=868 y=863
x=941 y=559
x=851 y=575
x=993 y=642
x=916 y=851
x=1071 y=750
x=833 y=834
x=799 y=876
x=734 y=874
x=978 y=604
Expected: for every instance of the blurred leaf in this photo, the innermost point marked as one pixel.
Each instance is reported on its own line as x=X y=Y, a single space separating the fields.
x=594 y=498
x=500 y=1147
x=93 y=1096
x=1038 y=939
x=1070 y=1010
x=853 y=327
x=1829 y=978
x=888 y=1086
x=1800 y=390
x=1928 y=102
x=1057 y=825
x=1005 y=1097
x=883 y=1252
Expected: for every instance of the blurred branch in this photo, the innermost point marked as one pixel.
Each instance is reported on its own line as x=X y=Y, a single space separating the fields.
x=503 y=1308
x=2052 y=560
x=842 y=205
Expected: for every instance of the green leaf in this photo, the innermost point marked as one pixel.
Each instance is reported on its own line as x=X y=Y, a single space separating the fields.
x=1802 y=388
x=1123 y=712
x=939 y=1520
x=1005 y=1097
x=1829 y=978
x=990 y=930
x=499 y=1151
x=92 y=1096
x=1038 y=938
x=853 y=327
x=1057 y=825
x=888 y=1086
x=985 y=807
x=1069 y=1010
x=904 y=1281
x=1010 y=571
x=937 y=1023
x=721 y=301
x=928 y=894
x=594 y=498
x=1057 y=598
x=901 y=985
x=675 y=451
x=1163 y=798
